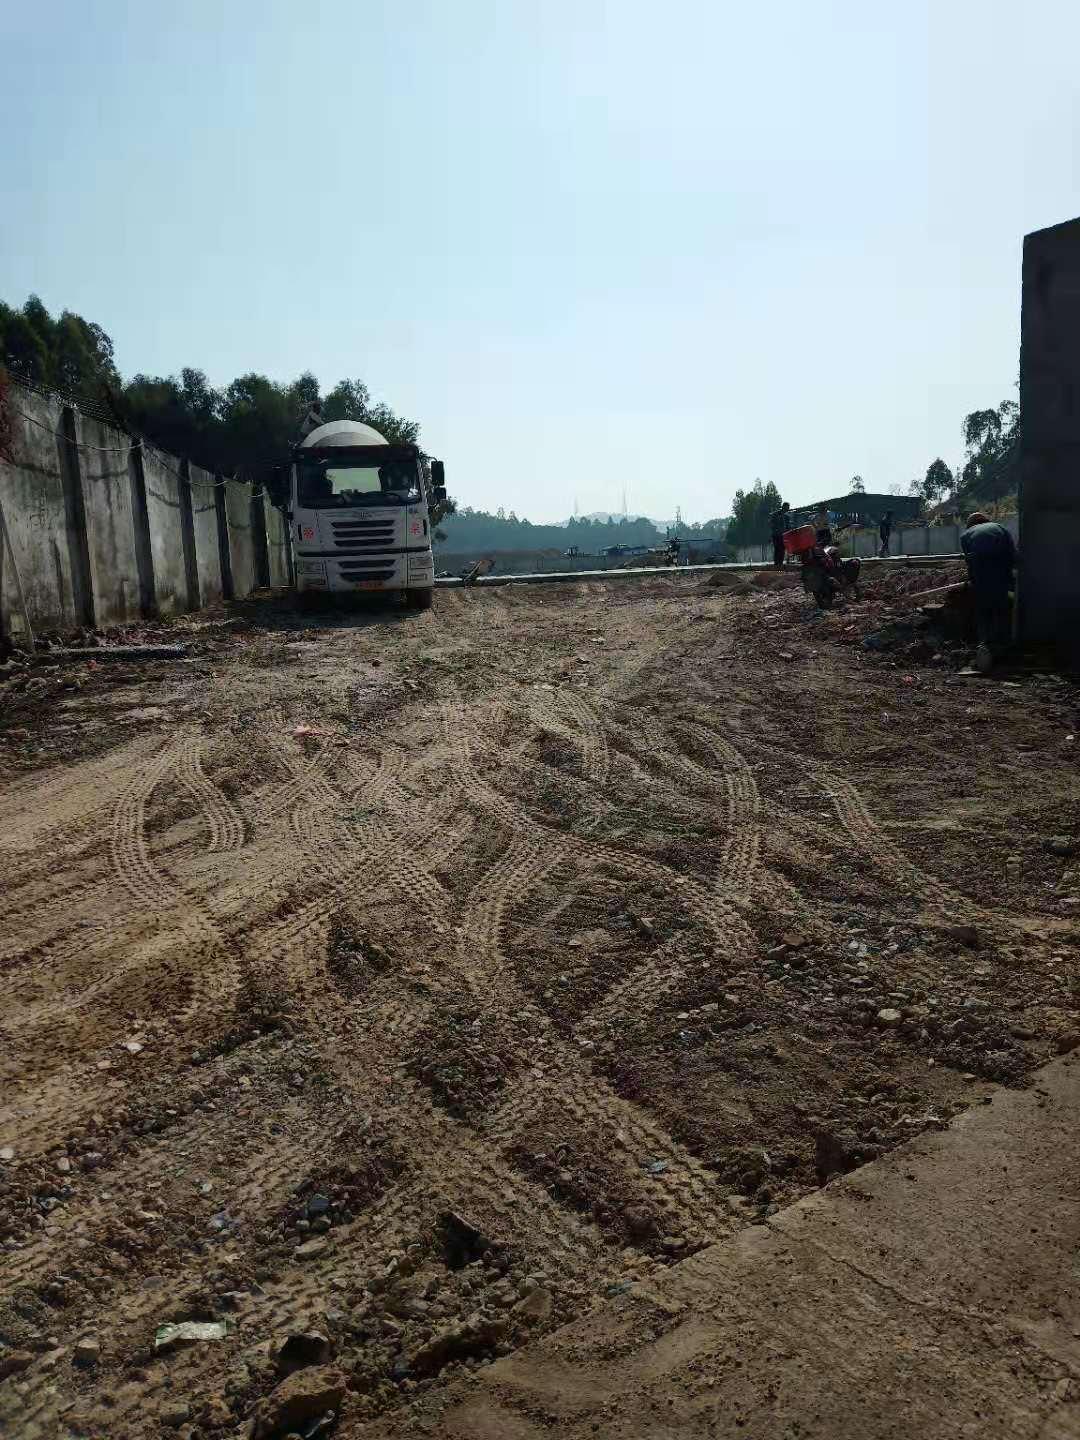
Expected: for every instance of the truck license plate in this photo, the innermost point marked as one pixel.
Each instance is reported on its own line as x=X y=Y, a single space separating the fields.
x=369 y=584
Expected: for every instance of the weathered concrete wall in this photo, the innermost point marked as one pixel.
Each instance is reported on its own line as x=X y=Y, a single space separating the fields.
x=238 y=514
x=905 y=540
x=105 y=530
x=166 y=521
x=205 y=523
x=278 y=545
x=1049 y=594
x=110 y=522
x=32 y=494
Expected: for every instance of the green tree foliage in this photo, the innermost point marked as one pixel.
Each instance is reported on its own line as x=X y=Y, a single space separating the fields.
x=750 y=512
x=992 y=463
x=68 y=352
x=858 y=485
x=936 y=483
x=247 y=425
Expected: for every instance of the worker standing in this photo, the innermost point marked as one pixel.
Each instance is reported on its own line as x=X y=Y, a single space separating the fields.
x=885 y=531
x=991 y=556
x=822 y=527
x=780 y=521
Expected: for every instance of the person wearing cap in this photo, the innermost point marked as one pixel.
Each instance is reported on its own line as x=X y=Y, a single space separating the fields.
x=991 y=556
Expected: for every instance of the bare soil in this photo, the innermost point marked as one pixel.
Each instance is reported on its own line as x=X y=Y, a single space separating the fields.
x=423 y=980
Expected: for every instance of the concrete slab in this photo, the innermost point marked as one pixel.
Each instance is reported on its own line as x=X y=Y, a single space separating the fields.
x=238 y=511
x=204 y=511
x=935 y=1293
x=110 y=523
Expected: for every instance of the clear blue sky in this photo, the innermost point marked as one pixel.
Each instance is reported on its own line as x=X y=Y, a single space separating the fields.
x=586 y=244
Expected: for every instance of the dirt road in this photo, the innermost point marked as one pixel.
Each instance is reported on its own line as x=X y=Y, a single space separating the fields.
x=424 y=980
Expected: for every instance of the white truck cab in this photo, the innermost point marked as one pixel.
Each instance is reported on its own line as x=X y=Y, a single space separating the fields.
x=360 y=511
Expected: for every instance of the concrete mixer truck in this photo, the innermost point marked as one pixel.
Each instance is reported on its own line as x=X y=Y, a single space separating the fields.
x=361 y=513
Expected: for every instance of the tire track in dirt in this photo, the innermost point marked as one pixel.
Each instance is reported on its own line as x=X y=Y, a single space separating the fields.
x=688 y=1192
x=225 y=821
x=256 y=1183
x=169 y=952
x=868 y=840
x=40 y=813
x=735 y=877
x=854 y=815
x=638 y=993
x=582 y=848
x=168 y=906
x=534 y=854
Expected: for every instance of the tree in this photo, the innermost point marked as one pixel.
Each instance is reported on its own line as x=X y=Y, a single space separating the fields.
x=937 y=482
x=70 y=353
x=992 y=441
x=858 y=485
x=750 y=512
x=22 y=348
x=349 y=400
x=250 y=423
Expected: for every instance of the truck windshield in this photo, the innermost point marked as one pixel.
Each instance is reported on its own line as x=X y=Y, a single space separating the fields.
x=328 y=484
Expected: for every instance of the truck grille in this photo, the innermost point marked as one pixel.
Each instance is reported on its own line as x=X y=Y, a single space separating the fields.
x=358 y=535
x=366 y=569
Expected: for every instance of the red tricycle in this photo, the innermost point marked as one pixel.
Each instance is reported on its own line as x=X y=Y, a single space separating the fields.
x=825 y=574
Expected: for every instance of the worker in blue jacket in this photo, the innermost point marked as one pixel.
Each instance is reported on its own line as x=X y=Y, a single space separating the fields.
x=991 y=558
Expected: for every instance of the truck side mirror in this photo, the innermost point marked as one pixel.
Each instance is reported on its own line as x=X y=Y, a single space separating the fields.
x=438 y=474
x=439 y=492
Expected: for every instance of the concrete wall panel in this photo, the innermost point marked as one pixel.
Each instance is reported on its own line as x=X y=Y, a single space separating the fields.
x=241 y=538
x=944 y=539
x=164 y=512
x=205 y=523
x=32 y=494
x=110 y=522
x=278 y=545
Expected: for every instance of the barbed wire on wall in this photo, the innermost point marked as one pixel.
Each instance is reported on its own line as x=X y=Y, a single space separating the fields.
x=90 y=406
x=136 y=444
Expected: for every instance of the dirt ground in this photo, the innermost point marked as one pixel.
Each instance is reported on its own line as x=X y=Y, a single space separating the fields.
x=420 y=981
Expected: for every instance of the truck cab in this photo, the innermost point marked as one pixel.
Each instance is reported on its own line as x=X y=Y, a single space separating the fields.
x=360 y=511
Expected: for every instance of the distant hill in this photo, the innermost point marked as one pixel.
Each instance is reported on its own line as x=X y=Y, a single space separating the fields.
x=608 y=517
x=478 y=531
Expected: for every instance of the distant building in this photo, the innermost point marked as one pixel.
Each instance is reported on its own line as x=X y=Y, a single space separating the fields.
x=857 y=508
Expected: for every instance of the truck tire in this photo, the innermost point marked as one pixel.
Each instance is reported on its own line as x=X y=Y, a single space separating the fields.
x=419 y=599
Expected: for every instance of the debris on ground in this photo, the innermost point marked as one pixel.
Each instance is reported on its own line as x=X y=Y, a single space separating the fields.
x=306 y=1396
x=188 y=1332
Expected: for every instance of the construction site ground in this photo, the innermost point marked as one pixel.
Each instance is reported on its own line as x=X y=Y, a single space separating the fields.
x=412 y=985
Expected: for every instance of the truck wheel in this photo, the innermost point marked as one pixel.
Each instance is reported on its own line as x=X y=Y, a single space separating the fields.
x=419 y=599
